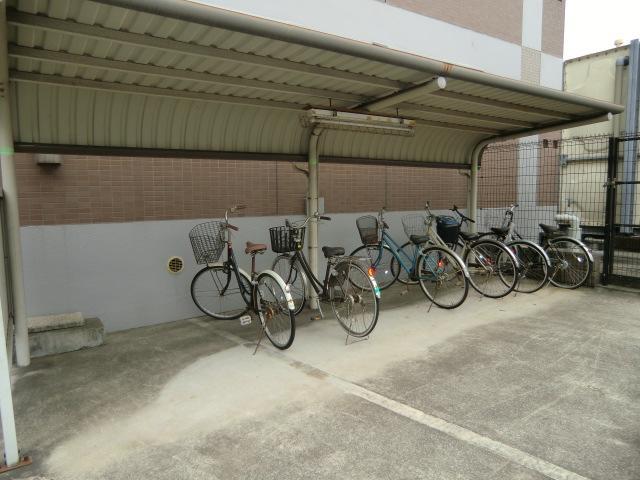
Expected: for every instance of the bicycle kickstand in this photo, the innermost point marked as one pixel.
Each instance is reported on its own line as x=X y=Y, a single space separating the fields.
x=260 y=336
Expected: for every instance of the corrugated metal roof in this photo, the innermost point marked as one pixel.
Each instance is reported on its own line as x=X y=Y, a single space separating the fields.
x=171 y=74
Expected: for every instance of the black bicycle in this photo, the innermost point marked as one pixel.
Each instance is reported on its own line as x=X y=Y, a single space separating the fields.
x=224 y=291
x=347 y=286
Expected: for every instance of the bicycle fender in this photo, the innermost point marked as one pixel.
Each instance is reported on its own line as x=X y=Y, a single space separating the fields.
x=581 y=243
x=536 y=247
x=285 y=288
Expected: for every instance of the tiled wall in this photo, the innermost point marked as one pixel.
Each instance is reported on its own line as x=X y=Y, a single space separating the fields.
x=123 y=189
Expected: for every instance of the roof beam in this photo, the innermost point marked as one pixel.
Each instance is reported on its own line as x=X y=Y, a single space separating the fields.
x=489 y=102
x=165 y=44
x=406 y=94
x=457 y=126
x=464 y=115
x=173 y=73
x=58 y=80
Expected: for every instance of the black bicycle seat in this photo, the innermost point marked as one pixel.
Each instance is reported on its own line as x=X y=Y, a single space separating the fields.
x=332 y=251
x=469 y=237
x=419 y=239
x=549 y=229
x=502 y=232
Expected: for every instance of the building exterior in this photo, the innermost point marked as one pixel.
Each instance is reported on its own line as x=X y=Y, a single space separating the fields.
x=97 y=231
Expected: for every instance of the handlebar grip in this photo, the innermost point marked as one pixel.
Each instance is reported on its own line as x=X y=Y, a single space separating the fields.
x=322 y=217
x=471 y=220
x=232 y=227
x=455 y=208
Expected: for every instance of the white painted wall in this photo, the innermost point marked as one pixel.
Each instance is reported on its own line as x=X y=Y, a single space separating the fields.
x=377 y=22
x=117 y=271
x=532 y=24
x=551 y=69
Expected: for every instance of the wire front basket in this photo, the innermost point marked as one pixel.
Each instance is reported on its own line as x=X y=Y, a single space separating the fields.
x=368 y=229
x=207 y=241
x=286 y=239
x=414 y=224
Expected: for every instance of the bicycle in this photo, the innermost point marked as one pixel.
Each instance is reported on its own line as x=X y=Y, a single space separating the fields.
x=570 y=261
x=492 y=267
x=347 y=286
x=441 y=274
x=534 y=261
x=224 y=291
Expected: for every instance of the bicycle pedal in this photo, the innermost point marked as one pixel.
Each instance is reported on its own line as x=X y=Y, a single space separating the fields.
x=245 y=320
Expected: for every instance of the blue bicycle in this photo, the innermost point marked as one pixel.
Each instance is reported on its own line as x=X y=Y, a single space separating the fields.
x=441 y=273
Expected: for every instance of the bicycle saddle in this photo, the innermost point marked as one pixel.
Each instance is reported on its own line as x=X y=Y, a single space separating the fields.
x=332 y=251
x=255 y=247
x=469 y=237
x=502 y=232
x=419 y=239
x=549 y=229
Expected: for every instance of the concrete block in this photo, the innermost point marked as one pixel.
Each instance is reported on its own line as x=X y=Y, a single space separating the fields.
x=55 y=322
x=51 y=342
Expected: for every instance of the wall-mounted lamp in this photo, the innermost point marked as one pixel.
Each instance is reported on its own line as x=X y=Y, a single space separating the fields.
x=49 y=159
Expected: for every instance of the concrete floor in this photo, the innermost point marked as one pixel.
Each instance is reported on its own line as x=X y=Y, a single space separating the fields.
x=528 y=387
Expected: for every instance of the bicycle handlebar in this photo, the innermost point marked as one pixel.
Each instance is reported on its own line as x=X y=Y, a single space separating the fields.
x=462 y=215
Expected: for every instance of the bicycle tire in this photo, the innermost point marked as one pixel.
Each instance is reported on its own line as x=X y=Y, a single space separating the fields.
x=274 y=309
x=289 y=270
x=221 y=283
x=492 y=254
x=349 y=298
x=534 y=266
x=403 y=276
x=559 y=258
x=385 y=276
x=437 y=265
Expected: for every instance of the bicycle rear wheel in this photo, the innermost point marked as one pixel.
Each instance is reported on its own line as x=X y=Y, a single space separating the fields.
x=292 y=274
x=571 y=264
x=216 y=292
x=534 y=266
x=386 y=271
x=493 y=269
x=353 y=298
x=442 y=277
x=277 y=318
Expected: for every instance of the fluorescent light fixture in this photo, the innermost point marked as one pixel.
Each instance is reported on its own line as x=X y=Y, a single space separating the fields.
x=358 y=122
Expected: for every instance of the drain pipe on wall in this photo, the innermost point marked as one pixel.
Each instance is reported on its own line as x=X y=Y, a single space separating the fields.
x=629 y=168
x=312 y=207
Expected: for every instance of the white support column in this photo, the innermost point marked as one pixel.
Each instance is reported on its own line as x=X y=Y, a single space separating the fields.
x=11 y=200
x=473 y=190
x=312 y=201
x=12 y=456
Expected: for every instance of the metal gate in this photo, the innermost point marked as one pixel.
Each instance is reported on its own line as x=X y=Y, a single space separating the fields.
x=622 y=224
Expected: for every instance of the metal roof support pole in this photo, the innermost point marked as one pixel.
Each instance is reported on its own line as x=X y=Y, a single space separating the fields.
x=631 y=150
x=12 y=457
x=473 y=191
x=312 y=208
x=10 y=189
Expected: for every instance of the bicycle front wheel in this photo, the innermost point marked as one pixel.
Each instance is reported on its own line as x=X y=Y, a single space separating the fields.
x=442 y=277
x=353 y=298
x=277 y=319
x=570 y=263
x=493 y=269
x=386 y=270
x=292 y=274
x=216 y=292
x=534 y=266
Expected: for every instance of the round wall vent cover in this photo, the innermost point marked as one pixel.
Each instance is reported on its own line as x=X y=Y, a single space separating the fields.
x=175 y=264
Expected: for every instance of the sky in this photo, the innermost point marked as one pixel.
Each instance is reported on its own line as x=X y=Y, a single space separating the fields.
x=594 y=25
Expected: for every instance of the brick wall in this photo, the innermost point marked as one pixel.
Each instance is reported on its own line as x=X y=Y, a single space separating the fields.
x=124 y=189
x=497 y=18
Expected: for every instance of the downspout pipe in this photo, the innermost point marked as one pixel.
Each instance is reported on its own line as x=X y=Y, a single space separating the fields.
x=621 y=63
x=630 y=162
x=312 y=207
